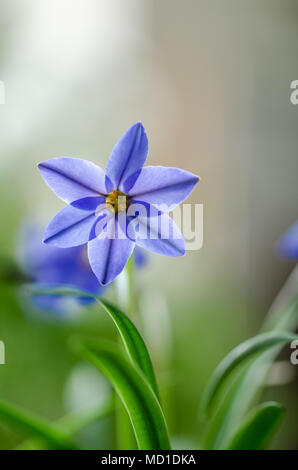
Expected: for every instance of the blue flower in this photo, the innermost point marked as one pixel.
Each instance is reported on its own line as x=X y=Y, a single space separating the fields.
x=288 y=245
x=95 y=197
x=47 y=265
x=140 y=257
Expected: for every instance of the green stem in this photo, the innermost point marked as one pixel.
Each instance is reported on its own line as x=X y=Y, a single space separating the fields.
x=131 y=296
x=125 y=437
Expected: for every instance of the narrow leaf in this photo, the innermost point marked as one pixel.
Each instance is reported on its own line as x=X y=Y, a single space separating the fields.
x=241 y=391
x=136 y=394
x=133 y=341
x=33 y=424
x=73 y=423
x=259 y=428
x=239 y=354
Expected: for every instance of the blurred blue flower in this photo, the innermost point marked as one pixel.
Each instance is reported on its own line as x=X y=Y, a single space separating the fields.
x=94 y=197
x=140 y=257
x=47 y=265
x=288 y=245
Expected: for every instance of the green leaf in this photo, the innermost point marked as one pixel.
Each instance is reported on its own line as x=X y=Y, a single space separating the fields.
x=259 y=428
x=242 y=390
x=282 y=314
x=73 y=423
x=134 y=390
x=239 y=354
x=35 y=425
x=133 y=341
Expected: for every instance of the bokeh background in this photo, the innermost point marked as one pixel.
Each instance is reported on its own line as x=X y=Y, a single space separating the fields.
x=210 y=80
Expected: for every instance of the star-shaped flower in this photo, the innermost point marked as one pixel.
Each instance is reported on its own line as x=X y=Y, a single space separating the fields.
x=94 y=197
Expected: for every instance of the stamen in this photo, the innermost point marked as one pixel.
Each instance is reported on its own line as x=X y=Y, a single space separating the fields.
x=116 y=201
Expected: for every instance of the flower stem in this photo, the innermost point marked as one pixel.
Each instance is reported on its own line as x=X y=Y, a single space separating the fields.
x=131 y=298
x=125 y=437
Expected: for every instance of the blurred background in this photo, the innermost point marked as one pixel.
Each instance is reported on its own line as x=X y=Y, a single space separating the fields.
x=210 y=80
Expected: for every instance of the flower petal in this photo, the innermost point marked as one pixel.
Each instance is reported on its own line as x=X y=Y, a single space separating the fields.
x=70 y=227
x=140 y=257
x=288 y=245
x=157 y=232
x=89 y=203
x=73 y=178
x=127 y=159
x=108 y=257
x=163 y=185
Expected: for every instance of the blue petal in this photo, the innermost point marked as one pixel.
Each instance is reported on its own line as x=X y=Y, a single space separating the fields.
x=70 y=227
x=89 y=203
x=163 y=185
x=140 y=257
x=68 y=267
x=288 y=245
x=51 y=266
x=108 y=257
x=127 y=159
x=157 y=232
x=73 y=178
x=103 y=221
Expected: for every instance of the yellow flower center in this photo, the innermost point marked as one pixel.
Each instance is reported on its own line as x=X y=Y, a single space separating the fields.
x=116 y=201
